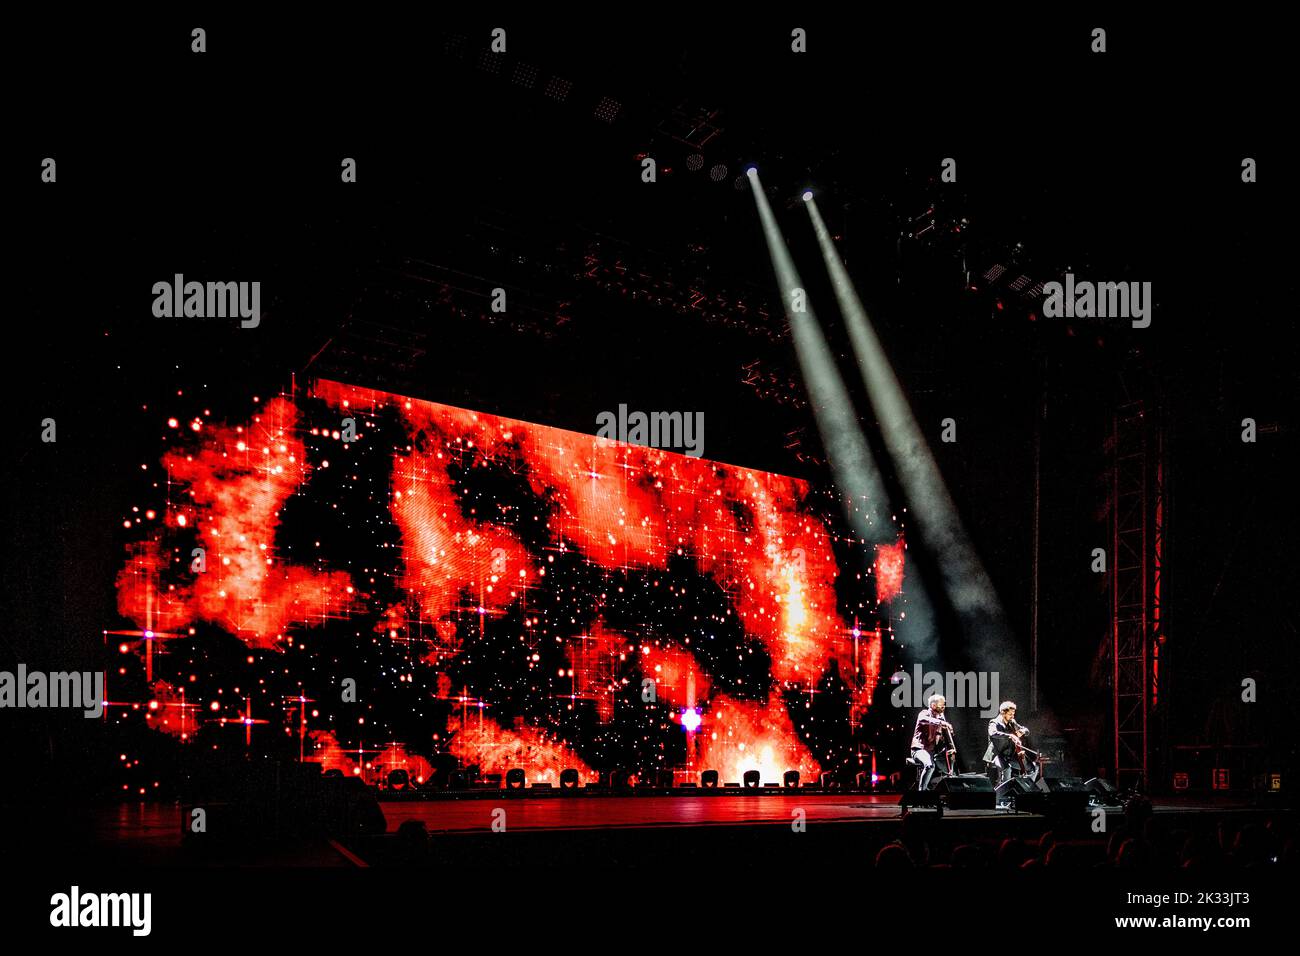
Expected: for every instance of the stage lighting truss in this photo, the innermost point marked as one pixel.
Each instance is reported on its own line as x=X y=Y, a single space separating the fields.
x=558 y=88
x=456 y=46
x=607 y=109
x=525 y=75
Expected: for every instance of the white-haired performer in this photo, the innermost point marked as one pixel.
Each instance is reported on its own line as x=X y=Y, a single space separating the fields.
x=932 y=740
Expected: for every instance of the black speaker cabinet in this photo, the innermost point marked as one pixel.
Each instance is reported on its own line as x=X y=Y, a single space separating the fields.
x=1014 y=789
x=1104 y=791
x=967 y=791
x=1060 y=796
x=924 y=800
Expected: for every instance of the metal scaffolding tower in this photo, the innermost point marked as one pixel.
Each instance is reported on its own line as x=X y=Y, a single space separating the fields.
x=1138 y=525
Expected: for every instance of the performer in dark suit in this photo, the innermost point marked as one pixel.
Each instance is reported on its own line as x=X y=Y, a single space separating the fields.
x=1005 y=752
x=932 y=740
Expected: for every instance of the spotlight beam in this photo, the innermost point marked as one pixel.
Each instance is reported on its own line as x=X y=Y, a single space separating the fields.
x=853 y=468
x=942 y=532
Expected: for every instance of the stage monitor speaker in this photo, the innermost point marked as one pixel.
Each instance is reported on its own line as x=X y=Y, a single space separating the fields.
x=912 y=800
x=967 y=791
x=1105 y=792
x=1021 y=784
x=1015 y=788
x=1060 y=796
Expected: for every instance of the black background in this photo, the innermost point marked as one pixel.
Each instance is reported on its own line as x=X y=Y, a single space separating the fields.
x=1125 y=165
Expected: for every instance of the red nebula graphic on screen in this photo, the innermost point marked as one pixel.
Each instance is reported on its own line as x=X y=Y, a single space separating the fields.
x=329 y=754
x=596 y=663
x=394 y=757
x=480 y=740
x=444 y=551
x=621 y=509
x=139 y=597
x=678 y=678
x=169 y=712
x=738 y=736
x=235 y=484
x=626 y=506
x=889 y=570
x=630 y=507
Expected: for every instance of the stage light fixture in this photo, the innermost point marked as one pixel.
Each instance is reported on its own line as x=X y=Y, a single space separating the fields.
x=853 y=467
x=607 y=109
x=558 y=88
x=525 y=75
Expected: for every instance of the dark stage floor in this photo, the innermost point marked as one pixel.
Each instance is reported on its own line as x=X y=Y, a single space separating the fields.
x=571 y=813
x=580 y=813
x=150 y=833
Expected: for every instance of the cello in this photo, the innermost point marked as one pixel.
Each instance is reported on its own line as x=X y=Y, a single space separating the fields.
x=1021 y=750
